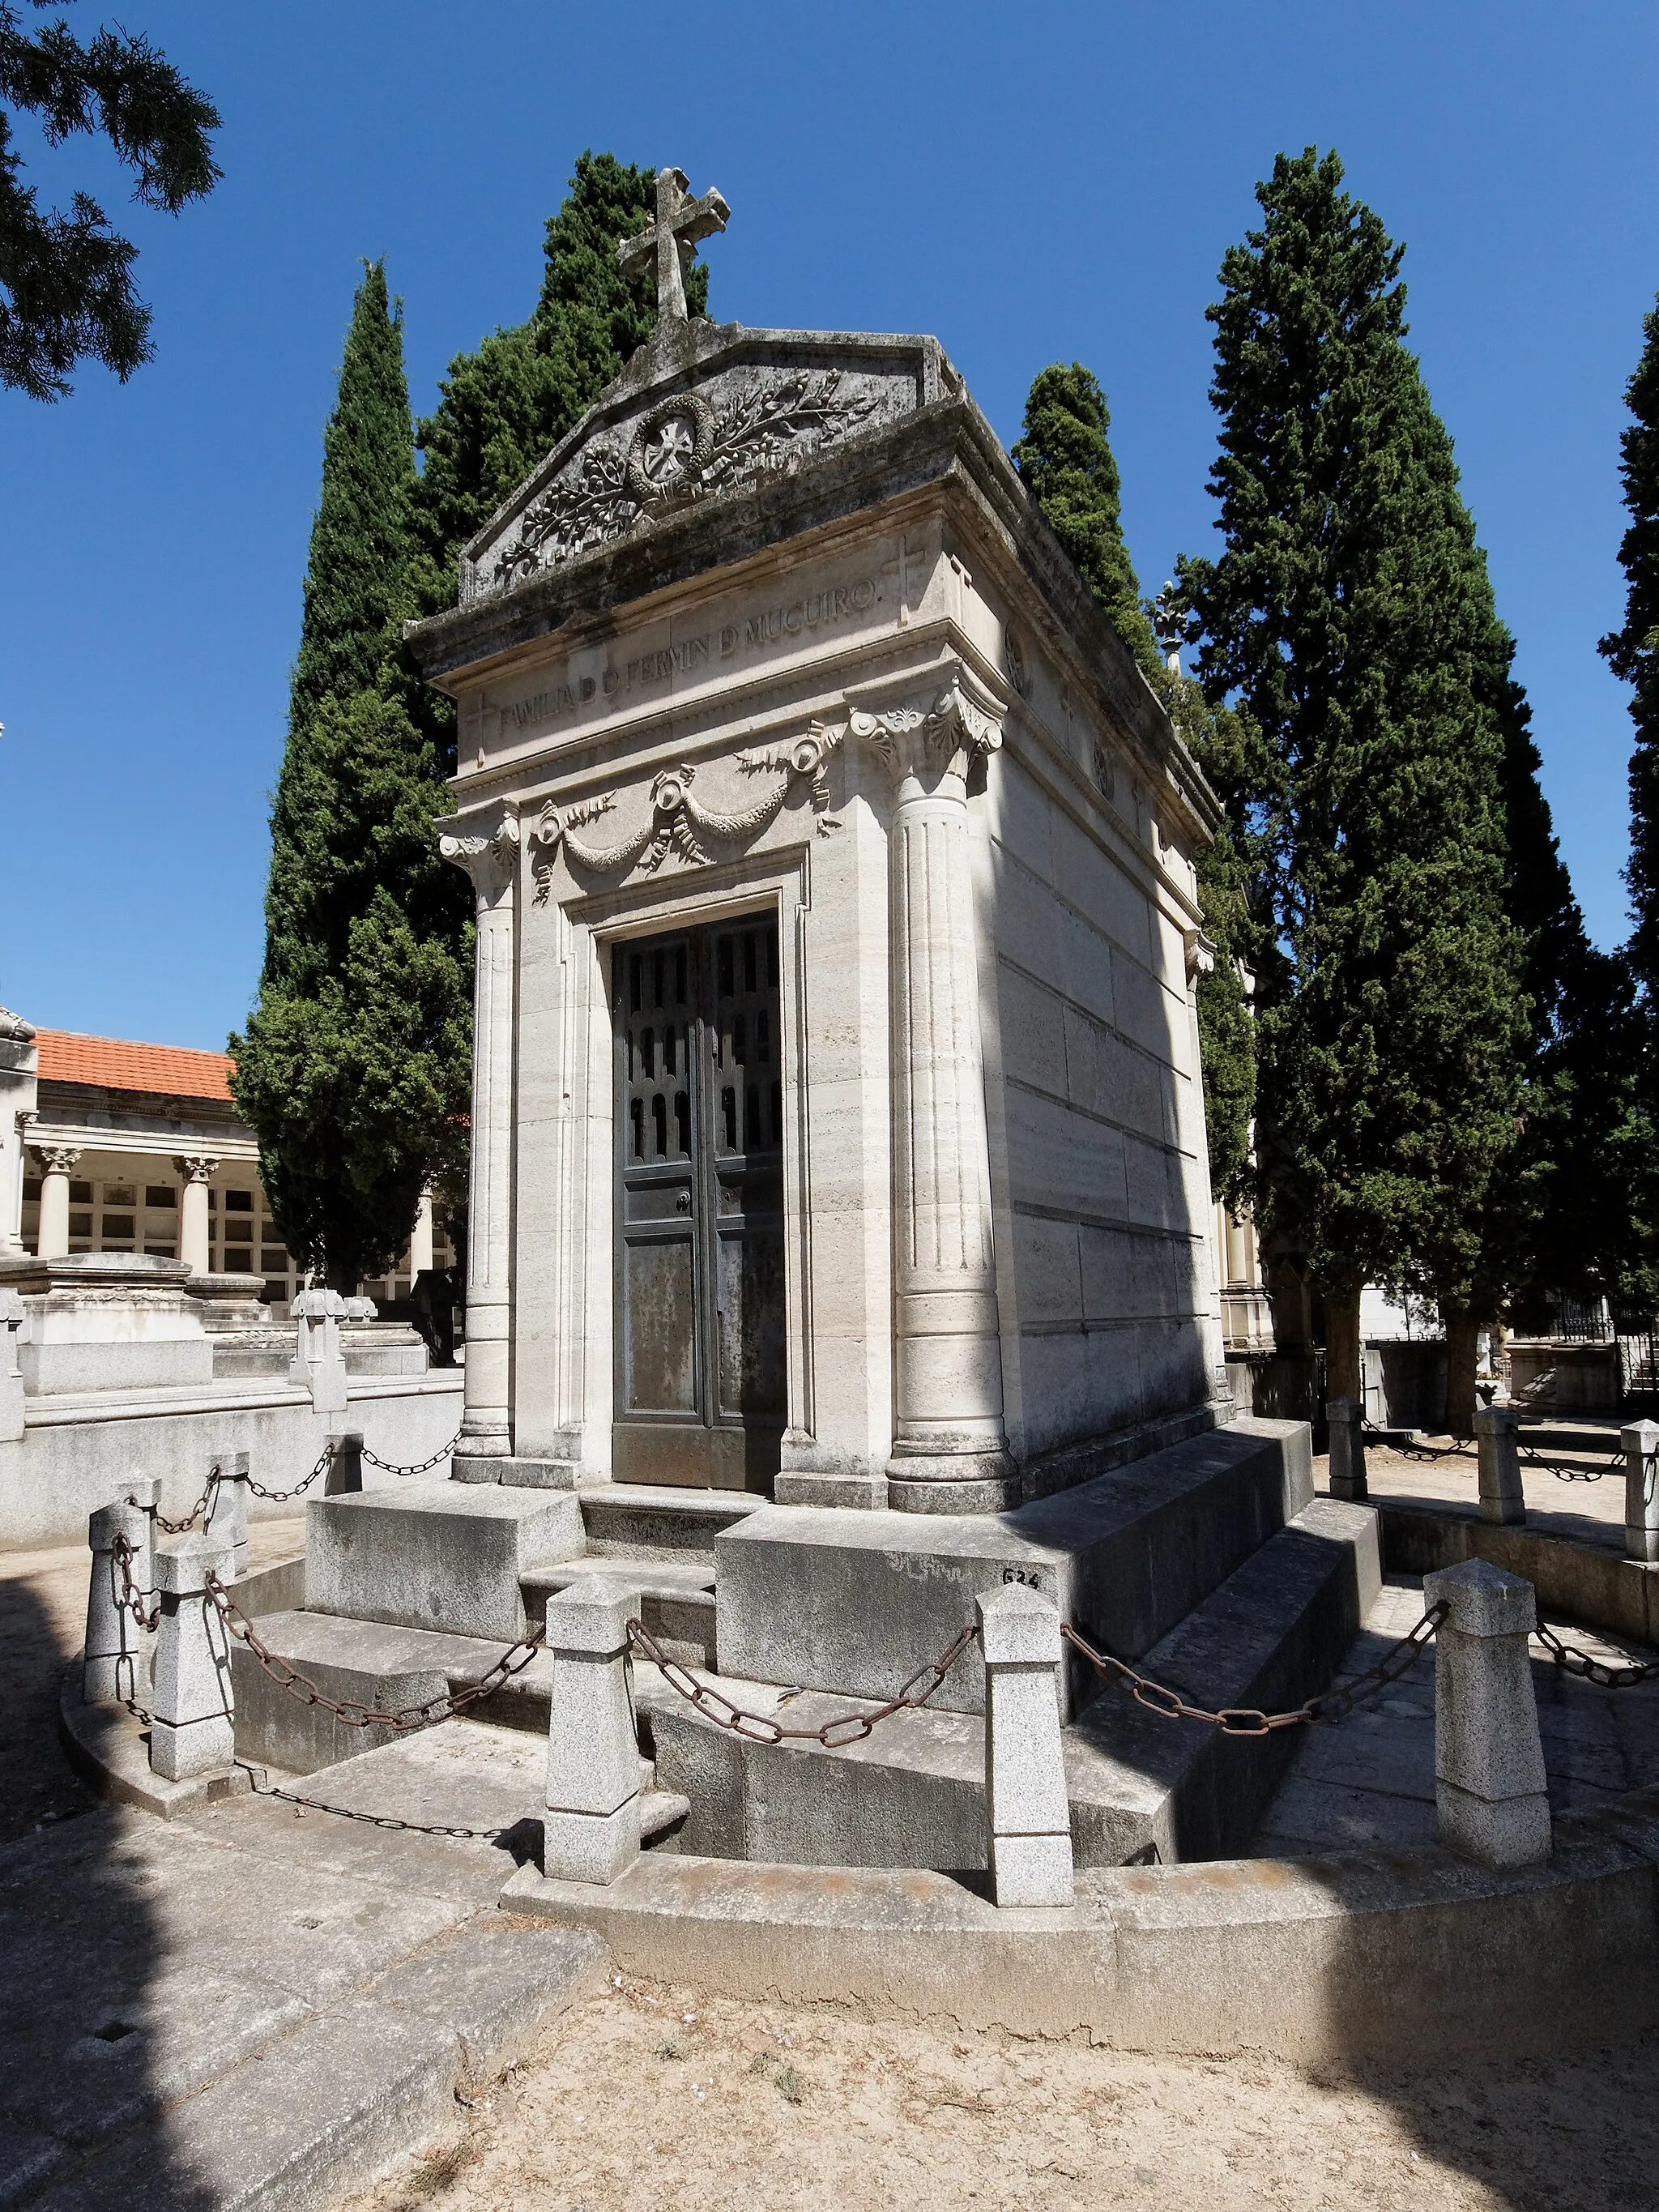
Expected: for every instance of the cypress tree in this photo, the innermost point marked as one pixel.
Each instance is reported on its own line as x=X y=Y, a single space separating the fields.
x=1349 y=615
x=354 y=1070
x=1632 y=652
x=1065 y=458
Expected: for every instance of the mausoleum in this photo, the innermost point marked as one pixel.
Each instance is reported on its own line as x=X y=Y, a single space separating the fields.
x=837 y=1124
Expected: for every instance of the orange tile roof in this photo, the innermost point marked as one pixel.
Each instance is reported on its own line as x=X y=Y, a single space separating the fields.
x=173 y=1070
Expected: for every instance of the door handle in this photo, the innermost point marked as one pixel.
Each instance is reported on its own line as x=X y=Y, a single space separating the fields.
x=682 y=1202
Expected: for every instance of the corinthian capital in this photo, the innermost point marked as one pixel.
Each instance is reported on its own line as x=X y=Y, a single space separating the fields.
x=486 y=845
x=57 y=1159
x=956 y=729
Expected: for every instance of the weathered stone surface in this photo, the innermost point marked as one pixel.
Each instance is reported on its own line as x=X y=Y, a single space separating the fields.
x=1502 y=1499
x=857 y=1602
x=436 y=1554
x=1490 y=1785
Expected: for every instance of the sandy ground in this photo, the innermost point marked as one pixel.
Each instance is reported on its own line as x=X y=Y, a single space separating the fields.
x=647 y=2097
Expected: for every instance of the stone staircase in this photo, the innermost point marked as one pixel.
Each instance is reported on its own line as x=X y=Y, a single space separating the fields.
x=1211 y=1566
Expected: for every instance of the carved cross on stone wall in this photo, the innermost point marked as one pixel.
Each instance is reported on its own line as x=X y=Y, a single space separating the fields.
x=672 y=238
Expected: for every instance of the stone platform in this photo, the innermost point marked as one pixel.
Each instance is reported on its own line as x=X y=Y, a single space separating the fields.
x=1210 y=1561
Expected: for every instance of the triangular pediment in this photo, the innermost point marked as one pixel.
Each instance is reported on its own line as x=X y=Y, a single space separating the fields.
x=704 y=413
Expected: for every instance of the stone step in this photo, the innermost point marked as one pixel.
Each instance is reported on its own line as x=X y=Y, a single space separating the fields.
x=1271 y=1634
x=386 y=1668
x=676 y=1598
x=653 y=1521
x=858 y=1600
x=436 y=1555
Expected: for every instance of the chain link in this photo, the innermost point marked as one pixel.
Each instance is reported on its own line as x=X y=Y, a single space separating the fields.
x=203 y=1504
x=1412 y=1447
x=373 y=1819
x=1323 y=1711
x=352 y=1712
x=423 y=1467
x=835 y=1733
x=282 y=1496
x=130 y=1598
x=1615 y=1464
x=1573 y=1661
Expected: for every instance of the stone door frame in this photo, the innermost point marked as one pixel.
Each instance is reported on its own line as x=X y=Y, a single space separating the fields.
x=577 y=1367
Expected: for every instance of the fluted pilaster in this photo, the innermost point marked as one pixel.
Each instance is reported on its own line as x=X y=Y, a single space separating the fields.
x=950 y=1450
x=487 y=846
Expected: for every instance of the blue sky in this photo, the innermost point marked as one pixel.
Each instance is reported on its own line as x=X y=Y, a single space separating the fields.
x=1049 y=182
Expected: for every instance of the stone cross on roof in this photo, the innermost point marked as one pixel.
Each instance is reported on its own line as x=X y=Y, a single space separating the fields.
x=681 y=221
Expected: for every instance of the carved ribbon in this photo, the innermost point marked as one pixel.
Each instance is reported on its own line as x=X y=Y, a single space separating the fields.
x=677 y=815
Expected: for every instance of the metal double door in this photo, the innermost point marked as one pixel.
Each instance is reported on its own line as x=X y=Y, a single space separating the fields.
x=700 y=1388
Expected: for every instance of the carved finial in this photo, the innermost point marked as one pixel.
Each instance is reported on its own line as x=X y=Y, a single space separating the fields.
x=14 y=1029
x=1169 y=624
x=672 y=238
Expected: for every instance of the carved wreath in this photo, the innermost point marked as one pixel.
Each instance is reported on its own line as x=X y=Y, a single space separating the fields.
x=678 y=820
x=680 y=452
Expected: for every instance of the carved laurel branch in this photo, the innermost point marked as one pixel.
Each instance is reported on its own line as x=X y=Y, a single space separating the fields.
x=679 y=820
x=766 y=426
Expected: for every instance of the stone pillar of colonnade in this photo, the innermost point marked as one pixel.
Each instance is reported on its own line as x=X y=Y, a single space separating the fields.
x=487 y=846
x=57 y=1162
x=420 y=1239
x=195 y=1171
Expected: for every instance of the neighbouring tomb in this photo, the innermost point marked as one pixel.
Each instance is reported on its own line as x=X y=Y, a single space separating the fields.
x=837 y=1127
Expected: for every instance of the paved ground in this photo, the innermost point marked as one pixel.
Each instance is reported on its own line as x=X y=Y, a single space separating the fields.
x=214 y=1985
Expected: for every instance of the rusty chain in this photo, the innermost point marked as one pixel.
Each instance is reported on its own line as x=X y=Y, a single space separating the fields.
x=352 y=1712
x=203 y=1504
x=282 y=1496
x=423 y=1467
x=1573 y=1661
x=130 y=1598
x=1323 y=1711
x=835 y=1733
x=267 y=1789
x=1615 y=1464
x=1412 y=1447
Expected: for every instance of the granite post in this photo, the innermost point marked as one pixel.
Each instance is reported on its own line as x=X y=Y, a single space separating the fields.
x=226 y=1521
x=1641 y=1444
x=116 y=1656
x=1490 y=1794
x=591 y=1830
x=1347 y=1416
x=345 y=1468
x=1497 y=1430
x=1025 y=1799
x=12 y=1375
x=319 y=1361
x=487 y=846
x=193 y=1726
x=950 y=1450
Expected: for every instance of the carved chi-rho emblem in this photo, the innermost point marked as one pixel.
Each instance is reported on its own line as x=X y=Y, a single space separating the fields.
x=670 y=450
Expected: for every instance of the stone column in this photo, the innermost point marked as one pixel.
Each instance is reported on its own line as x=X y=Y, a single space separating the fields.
x=591 y=1830
x=420 y=1241
x=116 y=1658
x=197 y=1171
x=192 y=1729
x=1347 y=1416
x=1490 y=1795
x=57 y=1162
x=1496 y=1440
x=1026 y=1806
x=489 y=853
x=950 y=1451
